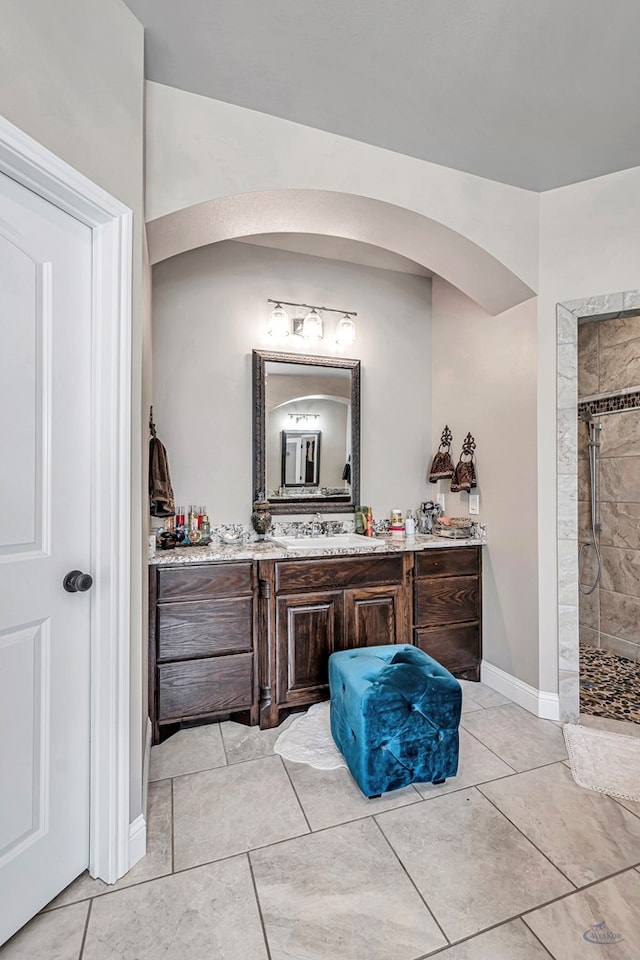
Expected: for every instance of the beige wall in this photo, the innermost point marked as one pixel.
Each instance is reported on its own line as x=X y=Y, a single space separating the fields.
x=484 y=381
x=71 y=76
x=589 y=246
x=210 y=311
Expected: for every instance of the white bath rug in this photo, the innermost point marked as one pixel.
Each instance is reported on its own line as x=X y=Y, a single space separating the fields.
x=308 y=740
x=604 y=761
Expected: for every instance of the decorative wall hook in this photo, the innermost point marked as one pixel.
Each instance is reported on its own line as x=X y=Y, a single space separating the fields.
x=442 y=464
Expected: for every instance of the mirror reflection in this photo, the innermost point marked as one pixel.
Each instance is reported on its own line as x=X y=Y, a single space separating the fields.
x=305 y=415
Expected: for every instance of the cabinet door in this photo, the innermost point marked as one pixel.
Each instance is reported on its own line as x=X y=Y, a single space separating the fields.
x=308 y=629
x=374 y=616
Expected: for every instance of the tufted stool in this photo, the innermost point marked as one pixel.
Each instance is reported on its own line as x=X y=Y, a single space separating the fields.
x=394 y=715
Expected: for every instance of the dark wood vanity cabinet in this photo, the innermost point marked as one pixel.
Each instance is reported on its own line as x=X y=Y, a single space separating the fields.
x=447 y=612
x=253 y=639
x=310 y=608
x=202 y=637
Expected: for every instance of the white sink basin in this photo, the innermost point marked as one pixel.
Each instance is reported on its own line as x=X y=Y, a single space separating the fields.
x=343 y=541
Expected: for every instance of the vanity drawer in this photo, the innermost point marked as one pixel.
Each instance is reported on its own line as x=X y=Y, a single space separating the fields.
x=202 y=628
x=455 y=646
x=448 y=562
x=336 y=574
x=447 y=600
x=205 y=582
x=199 y=687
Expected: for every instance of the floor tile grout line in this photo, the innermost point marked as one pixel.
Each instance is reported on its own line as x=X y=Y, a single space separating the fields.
x=224 y=746
x=571 y=893
x=86 y=928
x=173 y=831
x=478 y=740
x=533 y=933
x=240 y=853
x=259 y=905
x=410 y=878
x=300 y=804
x=528 y=839
x=473 y=936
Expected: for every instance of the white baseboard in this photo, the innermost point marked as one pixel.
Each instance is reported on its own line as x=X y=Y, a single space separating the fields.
x=138 y=829
x=137 y=840
x=538 y=702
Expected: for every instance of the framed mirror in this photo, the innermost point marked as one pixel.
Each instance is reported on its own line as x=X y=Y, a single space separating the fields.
x=303 y=405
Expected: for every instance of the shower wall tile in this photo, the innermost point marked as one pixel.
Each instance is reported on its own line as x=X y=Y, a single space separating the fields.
x=619 y=330
x=621 y=571
x=584 y=482
x=619 y=366
x=568 y=573
x=584 y=521
x=589 y=637
x=619 y=480
x=623 y=648
x=596 y=306
x=620 y=436
x=588 y=376
x=619 y=615
x=567 y=441
x=568 y=506
x=620 y=525
x=567 y=635
x=589 y=609
x=567 y=376
x=631 y=300
x=569 y=695
x=567 y=325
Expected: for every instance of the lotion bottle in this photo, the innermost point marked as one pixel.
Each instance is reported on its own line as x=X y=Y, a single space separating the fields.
x=410 y=524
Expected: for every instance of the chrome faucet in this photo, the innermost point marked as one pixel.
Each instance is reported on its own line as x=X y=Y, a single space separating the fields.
x=318 y=526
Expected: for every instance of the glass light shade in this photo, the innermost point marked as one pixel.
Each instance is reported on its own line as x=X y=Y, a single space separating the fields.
x=279 y=324
x=312 y=327
x=345 y=331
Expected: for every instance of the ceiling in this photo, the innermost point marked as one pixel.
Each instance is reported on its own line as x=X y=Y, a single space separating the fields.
x=534 y=93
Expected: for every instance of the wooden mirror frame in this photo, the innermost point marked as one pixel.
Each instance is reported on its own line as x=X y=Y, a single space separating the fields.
x=302 y=505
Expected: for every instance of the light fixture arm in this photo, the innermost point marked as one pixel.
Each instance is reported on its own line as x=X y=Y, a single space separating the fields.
x=310 y=306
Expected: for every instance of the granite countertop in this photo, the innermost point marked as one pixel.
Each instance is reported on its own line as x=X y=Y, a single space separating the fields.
x=216 y=552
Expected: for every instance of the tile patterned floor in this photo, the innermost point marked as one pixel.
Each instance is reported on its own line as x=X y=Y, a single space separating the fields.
x=609 y=685
x=251 y=858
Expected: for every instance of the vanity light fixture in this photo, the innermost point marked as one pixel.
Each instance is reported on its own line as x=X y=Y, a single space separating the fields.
x=311 y=327
x=303 y=416
x=279 y=323
x=345 y=331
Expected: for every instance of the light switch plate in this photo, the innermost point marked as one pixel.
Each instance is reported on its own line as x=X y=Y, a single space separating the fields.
x=440 y=500
x=474 y=504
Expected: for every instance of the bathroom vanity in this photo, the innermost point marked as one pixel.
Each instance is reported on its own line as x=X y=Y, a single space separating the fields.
x=246 y=632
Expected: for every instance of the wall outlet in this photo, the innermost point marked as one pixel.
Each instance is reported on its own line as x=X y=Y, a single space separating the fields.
x=474 y=504
x=440 y=501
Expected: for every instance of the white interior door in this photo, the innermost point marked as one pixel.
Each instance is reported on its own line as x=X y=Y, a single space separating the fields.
x=45 y=404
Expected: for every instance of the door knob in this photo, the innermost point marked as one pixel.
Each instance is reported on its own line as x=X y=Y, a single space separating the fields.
x=77 y=582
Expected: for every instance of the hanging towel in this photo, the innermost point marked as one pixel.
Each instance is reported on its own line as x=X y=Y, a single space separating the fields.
x=160 y=489
x=442 y=464
x=464 y=475
x=346 y=473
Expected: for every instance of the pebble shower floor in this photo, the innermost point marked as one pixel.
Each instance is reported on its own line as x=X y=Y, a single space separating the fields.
x=609 y=685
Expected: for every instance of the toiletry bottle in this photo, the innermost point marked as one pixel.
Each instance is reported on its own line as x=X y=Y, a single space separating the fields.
x=370 y=523
x=410 y=524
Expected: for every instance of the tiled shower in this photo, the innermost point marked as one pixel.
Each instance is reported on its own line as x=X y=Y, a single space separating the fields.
x=609 y=397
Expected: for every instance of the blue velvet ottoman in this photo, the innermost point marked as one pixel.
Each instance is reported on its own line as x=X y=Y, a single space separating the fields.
x=394 y=716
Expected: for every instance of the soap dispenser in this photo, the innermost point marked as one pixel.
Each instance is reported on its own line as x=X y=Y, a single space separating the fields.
x=410 y=524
